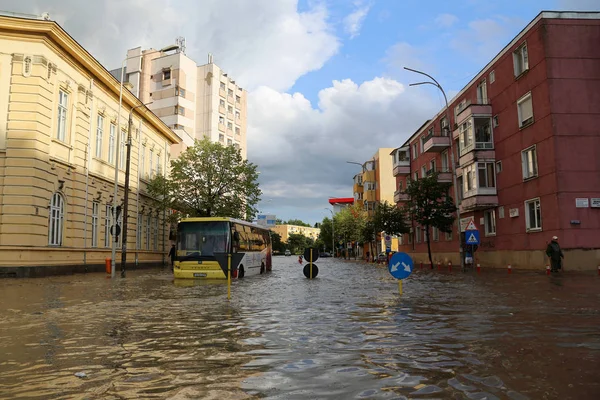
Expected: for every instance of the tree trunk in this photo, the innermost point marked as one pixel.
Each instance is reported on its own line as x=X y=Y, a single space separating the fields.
x=428 y=246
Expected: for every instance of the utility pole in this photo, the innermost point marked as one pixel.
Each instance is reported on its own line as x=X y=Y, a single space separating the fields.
x=126 y=191
x=454 y=181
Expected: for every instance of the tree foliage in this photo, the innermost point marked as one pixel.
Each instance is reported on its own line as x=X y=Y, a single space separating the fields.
x=297 y=222
x=297 y=242
x=430 y=205
x=209 y=179
x=325 y=236
x=350 y=223
x=276 y=242
x=390 y=219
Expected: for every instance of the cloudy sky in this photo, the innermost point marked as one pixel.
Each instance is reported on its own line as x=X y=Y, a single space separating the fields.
x=325 y=77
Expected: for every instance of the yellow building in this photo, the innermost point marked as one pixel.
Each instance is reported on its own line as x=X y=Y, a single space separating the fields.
x=285 y=230
x=376 y=184
x=59 y=123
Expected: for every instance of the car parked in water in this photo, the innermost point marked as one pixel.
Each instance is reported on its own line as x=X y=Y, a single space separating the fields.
x=288 y=253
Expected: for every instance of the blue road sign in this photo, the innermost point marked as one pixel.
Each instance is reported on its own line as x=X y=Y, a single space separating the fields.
x=400 y=266
x=472 y=237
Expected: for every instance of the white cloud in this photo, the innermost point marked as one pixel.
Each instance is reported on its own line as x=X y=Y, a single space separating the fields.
x=259 y=42
x=353 y=21
x=446 y=20
x=482 y=39
x=302 y=150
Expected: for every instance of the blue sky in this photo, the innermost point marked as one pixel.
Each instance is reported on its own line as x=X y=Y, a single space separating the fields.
x=429 y=30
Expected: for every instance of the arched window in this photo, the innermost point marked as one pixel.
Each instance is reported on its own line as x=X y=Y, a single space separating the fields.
x=55 y=220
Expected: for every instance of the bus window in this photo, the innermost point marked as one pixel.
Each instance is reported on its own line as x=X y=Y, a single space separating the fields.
x=202 y=238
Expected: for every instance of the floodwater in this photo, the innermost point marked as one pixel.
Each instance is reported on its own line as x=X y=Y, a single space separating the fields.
x=345 y=335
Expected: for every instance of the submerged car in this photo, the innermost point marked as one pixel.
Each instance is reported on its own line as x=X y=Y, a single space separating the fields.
x=288 y=253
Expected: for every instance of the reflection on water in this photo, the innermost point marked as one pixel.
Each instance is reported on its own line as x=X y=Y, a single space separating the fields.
x=346 y=334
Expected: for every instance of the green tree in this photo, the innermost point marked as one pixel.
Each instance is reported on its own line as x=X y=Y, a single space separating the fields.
x=350 y=223
x=390 y=219
x=209 y=179
x=430 y=205
x=277 y=244
x=298 y=242
x=325 y=236
x=297 y=222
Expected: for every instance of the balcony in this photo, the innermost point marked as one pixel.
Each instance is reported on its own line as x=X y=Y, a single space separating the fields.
x=402 y=168
x=473 y=107
x=436 y=144
x=479 y=199
x=444 y=174
x=370 y=195
x=357 y=188
x=400 y=196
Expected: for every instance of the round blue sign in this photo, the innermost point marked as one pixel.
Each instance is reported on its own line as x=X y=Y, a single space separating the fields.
x=400 y=266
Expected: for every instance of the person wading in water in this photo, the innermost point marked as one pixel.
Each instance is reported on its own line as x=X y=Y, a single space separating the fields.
x=554 y=252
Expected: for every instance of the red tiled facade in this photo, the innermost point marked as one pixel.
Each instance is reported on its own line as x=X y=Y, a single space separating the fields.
x=526 y=139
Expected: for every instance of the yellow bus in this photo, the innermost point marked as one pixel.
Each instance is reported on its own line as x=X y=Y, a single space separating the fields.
x=199 y=238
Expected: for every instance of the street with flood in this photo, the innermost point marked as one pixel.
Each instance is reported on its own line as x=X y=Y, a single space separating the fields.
x=345 y=335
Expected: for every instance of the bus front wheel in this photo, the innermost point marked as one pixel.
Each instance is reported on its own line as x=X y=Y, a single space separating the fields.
x=241 y=271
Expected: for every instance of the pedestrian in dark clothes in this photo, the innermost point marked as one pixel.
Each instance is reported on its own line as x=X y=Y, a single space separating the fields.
x=555 y=253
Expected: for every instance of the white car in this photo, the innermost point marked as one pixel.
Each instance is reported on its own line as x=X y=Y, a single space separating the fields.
x=288 y=253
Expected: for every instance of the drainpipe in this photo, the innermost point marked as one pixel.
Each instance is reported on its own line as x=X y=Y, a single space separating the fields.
x=88 y=158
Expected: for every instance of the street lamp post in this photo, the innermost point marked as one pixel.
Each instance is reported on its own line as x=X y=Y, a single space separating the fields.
x=454 y=180
x=116 y=186
x=126 y=191
x=332 y=231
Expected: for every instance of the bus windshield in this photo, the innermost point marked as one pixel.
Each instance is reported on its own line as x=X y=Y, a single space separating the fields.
x=196 y=240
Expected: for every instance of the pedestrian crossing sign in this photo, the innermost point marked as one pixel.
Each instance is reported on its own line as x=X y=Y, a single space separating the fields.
x=473 y=237
x=471 y=226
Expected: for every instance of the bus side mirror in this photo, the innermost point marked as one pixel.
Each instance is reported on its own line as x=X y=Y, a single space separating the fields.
x=203 y=239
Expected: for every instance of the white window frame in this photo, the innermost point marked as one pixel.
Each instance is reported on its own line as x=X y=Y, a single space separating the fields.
x=489 y=217
x=148 y=232
x=139 y=231
x=415 y=153
x=95 y=220
x=521 y=60
x=435 y=232
x=528 y=223
x=529 y=164
x=466 y=137
x=156 y=234
x=158 y=165
x=445 y=161
x=142 y=160
x=482 y=92
x=416 y=175
x=523 y=122
x=107 y=224
x=150 y=156
x=56 y=217
x=122 y=150
x=492 y=76
x=418 y=234
x=63 y=108
x=423 y=171
x=485 y=166
x=111 y=143
x=448 y=236
x=99 y=135
x=221 y=120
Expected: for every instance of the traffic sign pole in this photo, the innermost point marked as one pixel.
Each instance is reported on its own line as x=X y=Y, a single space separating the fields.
x=229 y=276
x=311 y=263
x=400 y=286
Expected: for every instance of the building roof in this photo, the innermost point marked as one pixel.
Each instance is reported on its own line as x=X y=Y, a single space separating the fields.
x=56 y=34
x=341 y=200
x=477 y=78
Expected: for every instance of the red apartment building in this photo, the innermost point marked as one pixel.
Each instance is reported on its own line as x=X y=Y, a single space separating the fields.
x=526 y=139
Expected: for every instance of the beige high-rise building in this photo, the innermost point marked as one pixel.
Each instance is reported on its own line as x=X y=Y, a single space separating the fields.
x=195 y=101
x=59 y=129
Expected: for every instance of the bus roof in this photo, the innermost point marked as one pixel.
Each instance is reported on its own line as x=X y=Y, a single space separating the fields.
x=216 y=219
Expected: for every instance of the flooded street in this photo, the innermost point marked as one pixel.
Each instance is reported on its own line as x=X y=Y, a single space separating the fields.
x=345 y=335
